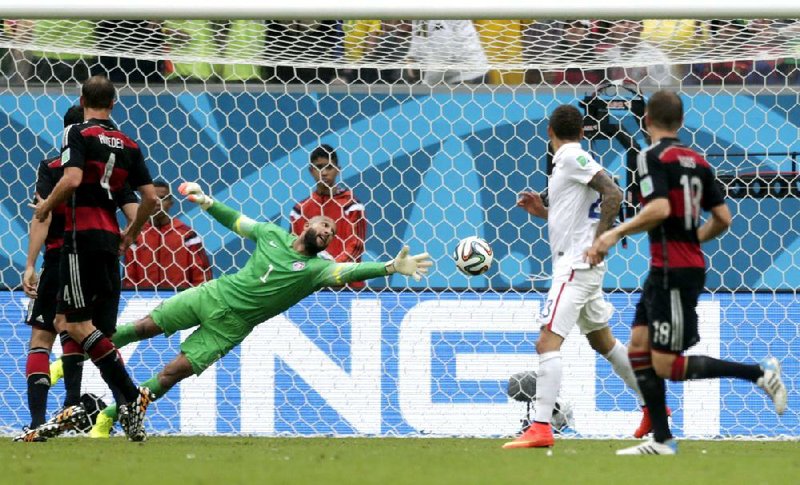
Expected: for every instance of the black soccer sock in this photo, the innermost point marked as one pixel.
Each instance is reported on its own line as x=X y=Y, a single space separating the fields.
x=704 y=367
x=73 y=375
x=38 y=377
x=654 y=392
x=72 y=360
x=105 y=357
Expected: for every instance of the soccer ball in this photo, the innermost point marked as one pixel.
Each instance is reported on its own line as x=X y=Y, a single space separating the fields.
x=473 y=256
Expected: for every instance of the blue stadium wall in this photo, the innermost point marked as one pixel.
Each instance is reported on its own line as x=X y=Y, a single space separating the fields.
x=428 y=363
x=408 y=158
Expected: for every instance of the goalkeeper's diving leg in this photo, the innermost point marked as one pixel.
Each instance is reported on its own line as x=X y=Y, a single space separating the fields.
x=212 y=339
x=180 y=368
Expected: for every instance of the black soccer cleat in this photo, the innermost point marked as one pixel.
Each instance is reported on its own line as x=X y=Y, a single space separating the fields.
x=131 y=415
x=29 y=435
x=71 y=417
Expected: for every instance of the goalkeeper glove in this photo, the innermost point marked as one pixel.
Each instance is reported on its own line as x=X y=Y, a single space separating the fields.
x=195 y=194
x=414 y=266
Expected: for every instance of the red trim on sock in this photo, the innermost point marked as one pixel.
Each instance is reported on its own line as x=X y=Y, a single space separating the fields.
x=37 y=363
x=100 y=349
x=640 y=360
x=678 y=372
x=71 y=347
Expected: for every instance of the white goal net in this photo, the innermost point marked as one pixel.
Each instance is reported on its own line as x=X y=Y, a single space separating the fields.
x=437 y=126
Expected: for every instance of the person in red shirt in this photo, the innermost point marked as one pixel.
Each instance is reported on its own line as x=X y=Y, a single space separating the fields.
x=168 y=254
x=339 y=204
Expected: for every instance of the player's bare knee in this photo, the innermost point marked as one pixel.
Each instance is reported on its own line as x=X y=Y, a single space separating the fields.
x=60 y=323
x=602 y=341
x=548 y=341
x=639 y=340
x=42 y=338
x=662 y=364
x=80 y=330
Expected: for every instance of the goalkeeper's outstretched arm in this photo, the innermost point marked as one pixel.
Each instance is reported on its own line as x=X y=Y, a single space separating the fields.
x=230 y=218
x=338 y=274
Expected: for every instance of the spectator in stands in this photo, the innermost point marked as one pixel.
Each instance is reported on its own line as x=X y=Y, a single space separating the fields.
x=761 y=39
x=539 y=41
x=572 y=43
x=310 y=40
x=447 y=42
x=762 y=35
x=168 y=254
x=337 y=203
x=144 y=37
x=14 y=63
x=726 y=36
x=372 y=41
x=46 y=67
x=240 y=39
x=638 y=60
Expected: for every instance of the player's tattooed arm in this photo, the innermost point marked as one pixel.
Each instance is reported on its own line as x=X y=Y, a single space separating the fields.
x=612 y=199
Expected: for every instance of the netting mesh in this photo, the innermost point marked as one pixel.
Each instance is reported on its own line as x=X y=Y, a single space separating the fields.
x=429 y=165
x=427 y=44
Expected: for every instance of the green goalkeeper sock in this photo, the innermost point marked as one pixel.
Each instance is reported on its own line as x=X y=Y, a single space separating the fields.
x=124 y=335
x=152 y=384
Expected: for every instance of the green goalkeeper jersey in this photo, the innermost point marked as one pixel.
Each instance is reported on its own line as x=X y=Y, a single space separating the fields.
x=276 y=276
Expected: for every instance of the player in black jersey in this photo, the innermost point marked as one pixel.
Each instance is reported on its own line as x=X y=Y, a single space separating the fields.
x=98 y=161
x=43 y=288
x=675 y=185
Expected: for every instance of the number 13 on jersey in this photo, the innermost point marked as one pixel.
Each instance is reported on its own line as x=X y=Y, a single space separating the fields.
x=692 y=196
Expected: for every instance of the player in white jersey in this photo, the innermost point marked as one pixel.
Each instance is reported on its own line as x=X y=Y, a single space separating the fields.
x=583 y=203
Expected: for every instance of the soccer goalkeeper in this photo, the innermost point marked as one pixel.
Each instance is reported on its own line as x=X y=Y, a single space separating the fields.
x=282 y=270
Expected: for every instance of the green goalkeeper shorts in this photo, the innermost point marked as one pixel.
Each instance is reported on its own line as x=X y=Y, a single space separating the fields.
x=219 y=331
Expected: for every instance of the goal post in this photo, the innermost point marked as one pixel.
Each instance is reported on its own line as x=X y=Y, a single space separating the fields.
x=436 y=148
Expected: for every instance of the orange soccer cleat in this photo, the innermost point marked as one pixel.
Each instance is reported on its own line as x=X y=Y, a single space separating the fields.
x=646 y=426
x=539 y=435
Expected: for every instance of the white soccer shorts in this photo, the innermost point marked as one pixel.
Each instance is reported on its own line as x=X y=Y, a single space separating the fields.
x=576 y=298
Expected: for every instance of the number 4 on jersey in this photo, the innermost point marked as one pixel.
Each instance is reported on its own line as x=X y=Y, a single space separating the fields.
x=106 y=179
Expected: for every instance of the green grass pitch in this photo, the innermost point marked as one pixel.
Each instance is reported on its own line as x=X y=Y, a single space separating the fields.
x=228 y=460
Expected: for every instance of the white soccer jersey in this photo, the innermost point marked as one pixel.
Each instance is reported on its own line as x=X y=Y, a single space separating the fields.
x=447 y=43
x=574 y=207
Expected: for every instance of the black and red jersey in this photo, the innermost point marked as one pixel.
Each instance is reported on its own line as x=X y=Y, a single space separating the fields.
x=110 y=161
x=47 y=177
x=669 y=169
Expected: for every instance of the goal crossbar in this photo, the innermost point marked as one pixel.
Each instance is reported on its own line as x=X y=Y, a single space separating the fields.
x=413 y=9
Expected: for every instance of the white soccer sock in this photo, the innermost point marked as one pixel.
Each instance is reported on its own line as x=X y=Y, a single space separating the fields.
x=548 y=381
x=618 y=356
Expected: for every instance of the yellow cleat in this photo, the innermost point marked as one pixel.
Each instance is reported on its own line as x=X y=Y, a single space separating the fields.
x=102 y=427
x=56 y=371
